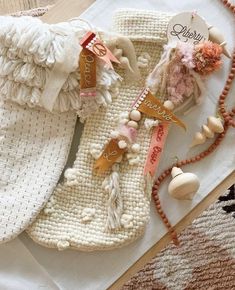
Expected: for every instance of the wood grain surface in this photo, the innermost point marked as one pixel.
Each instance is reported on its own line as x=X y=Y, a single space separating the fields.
x=10 y=6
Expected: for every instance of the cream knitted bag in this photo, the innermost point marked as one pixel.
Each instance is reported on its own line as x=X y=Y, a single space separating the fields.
x=91 y=211
x=38 y=63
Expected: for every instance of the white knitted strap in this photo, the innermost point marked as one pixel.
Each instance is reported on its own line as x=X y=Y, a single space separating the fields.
x=67 y=63
x=142 y=25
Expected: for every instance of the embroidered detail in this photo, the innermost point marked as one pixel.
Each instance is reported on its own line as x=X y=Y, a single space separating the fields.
x=143 y=60
x=95 y=150
x=71 y=175
x=133 y=158
x=127 y=221
x=88 y=214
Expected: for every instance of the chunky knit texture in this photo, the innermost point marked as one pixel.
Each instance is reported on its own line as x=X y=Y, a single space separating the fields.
x=34 y=143
x=31 y=51
x=76 y=215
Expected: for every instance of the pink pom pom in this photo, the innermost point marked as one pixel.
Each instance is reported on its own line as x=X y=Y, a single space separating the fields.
x=128 y=132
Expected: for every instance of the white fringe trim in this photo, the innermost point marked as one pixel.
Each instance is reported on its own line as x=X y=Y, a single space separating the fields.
x=29 y=49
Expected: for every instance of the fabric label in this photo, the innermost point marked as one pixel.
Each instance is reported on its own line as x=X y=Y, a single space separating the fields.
x=156 y=148
x=87 y=64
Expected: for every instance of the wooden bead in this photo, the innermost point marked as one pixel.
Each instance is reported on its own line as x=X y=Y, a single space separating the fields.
x=168 y=105
x=207 y=131
x=215 y=124
x=135 y=115
x=133 y=124
x=198 y=139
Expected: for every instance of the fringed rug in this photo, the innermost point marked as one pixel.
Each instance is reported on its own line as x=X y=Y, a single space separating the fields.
x=205 y=259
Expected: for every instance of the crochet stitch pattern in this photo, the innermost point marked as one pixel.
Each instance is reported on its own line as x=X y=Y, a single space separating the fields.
x=34 y=144
x=76 y=215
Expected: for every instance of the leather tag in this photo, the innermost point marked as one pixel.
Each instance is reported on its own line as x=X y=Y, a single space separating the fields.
x=109 y=156
x=92 y=43
x=87 y=64
x=152 y=107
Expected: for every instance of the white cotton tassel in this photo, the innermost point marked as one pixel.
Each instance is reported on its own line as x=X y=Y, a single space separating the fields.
x=150 y=123
x=115 y=201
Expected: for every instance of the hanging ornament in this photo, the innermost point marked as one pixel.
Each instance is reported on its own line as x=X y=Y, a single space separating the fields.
x=214 y=125
x=183 y=185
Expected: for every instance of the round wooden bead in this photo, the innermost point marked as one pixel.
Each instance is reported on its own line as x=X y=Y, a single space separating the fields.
x=133 y=124
x=169 y=105
x=135 y=115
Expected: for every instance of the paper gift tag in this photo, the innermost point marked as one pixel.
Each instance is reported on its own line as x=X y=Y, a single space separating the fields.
x=187 y=27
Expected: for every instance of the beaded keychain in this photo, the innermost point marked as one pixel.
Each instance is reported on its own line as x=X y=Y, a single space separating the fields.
x=228 y=122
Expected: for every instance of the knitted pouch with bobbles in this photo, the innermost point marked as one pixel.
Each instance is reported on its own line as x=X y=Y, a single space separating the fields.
x=90 y=210
x=38 y=66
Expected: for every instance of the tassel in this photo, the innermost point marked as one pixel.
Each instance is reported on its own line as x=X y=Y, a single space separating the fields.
x=115 y=201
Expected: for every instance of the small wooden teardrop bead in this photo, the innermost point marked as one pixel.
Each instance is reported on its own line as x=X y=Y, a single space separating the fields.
x=207 y=131
x=133 y=124
x=198 y=139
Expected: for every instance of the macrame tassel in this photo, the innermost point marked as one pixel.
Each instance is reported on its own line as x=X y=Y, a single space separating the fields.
x=157 y=79
x=178 y=75
x=115 y=201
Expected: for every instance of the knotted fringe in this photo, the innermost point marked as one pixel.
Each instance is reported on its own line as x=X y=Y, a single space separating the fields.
x=29 y=49
x=115 y=201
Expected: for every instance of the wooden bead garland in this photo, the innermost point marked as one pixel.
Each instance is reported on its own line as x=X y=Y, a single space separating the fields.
x=228 y=122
